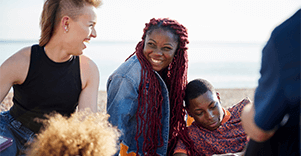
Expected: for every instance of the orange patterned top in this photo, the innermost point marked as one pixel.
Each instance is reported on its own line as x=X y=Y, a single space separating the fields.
x=228 y=138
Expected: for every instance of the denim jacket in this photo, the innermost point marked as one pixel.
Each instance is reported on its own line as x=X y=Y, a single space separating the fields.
x=122 y=103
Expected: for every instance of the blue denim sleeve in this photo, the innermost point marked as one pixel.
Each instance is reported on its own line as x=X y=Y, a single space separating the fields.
x=122 y=92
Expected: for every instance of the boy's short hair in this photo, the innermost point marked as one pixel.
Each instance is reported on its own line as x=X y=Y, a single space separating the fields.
x=196 y=88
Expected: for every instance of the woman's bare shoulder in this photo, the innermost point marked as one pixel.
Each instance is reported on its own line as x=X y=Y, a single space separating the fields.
x=87 y=64
x=89 y=71
x=21 y=56
x=16 y=66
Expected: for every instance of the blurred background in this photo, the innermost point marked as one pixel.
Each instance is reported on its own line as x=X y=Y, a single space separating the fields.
x=226 y=36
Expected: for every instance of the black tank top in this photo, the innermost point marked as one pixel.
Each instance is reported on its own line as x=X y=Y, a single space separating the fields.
x=48 y=87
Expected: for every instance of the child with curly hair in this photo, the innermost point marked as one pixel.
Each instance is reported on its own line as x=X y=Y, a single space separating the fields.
x=83 y=134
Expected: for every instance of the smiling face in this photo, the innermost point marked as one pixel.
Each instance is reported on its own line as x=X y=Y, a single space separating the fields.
x=159 y=48
x=206 y=110
x=81 y=29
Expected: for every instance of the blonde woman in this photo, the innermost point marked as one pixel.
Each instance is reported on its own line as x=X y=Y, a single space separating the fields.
x=53 y=75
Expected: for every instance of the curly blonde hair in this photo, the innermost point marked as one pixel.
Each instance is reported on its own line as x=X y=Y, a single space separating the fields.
x=82 y=134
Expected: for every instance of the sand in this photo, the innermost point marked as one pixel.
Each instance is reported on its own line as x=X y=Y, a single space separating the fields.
x=229 y=97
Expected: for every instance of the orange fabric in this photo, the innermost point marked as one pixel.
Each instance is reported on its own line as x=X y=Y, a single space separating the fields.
x=189 y=120
x=124 y=149
x=226 y=117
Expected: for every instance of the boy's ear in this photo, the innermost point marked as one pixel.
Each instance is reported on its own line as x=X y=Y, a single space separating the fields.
x=218 y=97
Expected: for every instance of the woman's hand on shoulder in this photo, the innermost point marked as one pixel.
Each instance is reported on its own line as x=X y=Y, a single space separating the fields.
x=90 y=83
x=14 y=70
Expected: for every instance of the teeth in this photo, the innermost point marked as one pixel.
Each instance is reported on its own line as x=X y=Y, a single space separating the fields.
x=87 y=41
x=155 y=61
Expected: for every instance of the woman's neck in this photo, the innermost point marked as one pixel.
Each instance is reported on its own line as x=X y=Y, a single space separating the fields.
x=56 y=52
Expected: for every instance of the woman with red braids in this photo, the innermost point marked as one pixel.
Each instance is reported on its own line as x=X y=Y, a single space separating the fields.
x=145 y=94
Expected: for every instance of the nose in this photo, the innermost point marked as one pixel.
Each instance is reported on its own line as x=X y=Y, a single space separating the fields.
x=158 y=52
x=93 y=33
x=210 y=115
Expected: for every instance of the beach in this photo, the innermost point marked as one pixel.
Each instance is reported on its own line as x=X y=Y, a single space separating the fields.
x=228 y=97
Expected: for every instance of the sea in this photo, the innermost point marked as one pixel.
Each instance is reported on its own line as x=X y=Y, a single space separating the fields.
x=224 y=64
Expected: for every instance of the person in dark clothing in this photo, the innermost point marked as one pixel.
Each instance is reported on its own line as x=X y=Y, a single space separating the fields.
x=51 y=76
x=273 y=122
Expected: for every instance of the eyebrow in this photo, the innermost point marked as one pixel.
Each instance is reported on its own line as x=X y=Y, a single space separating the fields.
x=164 y=44
x=213 y=102
x=153 y=40
x=94 y=22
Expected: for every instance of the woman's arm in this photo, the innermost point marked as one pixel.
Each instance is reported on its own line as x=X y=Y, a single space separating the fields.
x=90 y=83
x=14 y=71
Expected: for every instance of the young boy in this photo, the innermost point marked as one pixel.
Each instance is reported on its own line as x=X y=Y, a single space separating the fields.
x=215 y=129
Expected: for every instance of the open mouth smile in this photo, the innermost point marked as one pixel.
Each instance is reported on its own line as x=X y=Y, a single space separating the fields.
x=155 y=61
x=86 y=41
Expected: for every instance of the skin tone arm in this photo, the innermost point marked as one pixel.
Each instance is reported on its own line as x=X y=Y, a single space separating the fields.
x=90 y=83
x=250 y=127
x=14 y=71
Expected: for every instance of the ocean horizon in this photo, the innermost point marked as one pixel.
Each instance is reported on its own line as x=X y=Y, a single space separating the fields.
x=224 y=64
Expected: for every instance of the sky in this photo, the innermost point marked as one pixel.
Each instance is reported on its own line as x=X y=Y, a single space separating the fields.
x=124 y=20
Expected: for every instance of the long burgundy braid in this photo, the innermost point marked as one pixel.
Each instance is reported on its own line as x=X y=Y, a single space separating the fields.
x=150 y=99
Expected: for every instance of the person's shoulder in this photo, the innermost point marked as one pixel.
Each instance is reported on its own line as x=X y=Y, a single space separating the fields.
x=240 y=105
x=88 y=69
x=20 y=57
x=87 y=63
x=26 y=51
x=132 y=62
x=16 y=67
x=284 y=30
x=193 y=128
x=245 y=101
x=131 y=66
